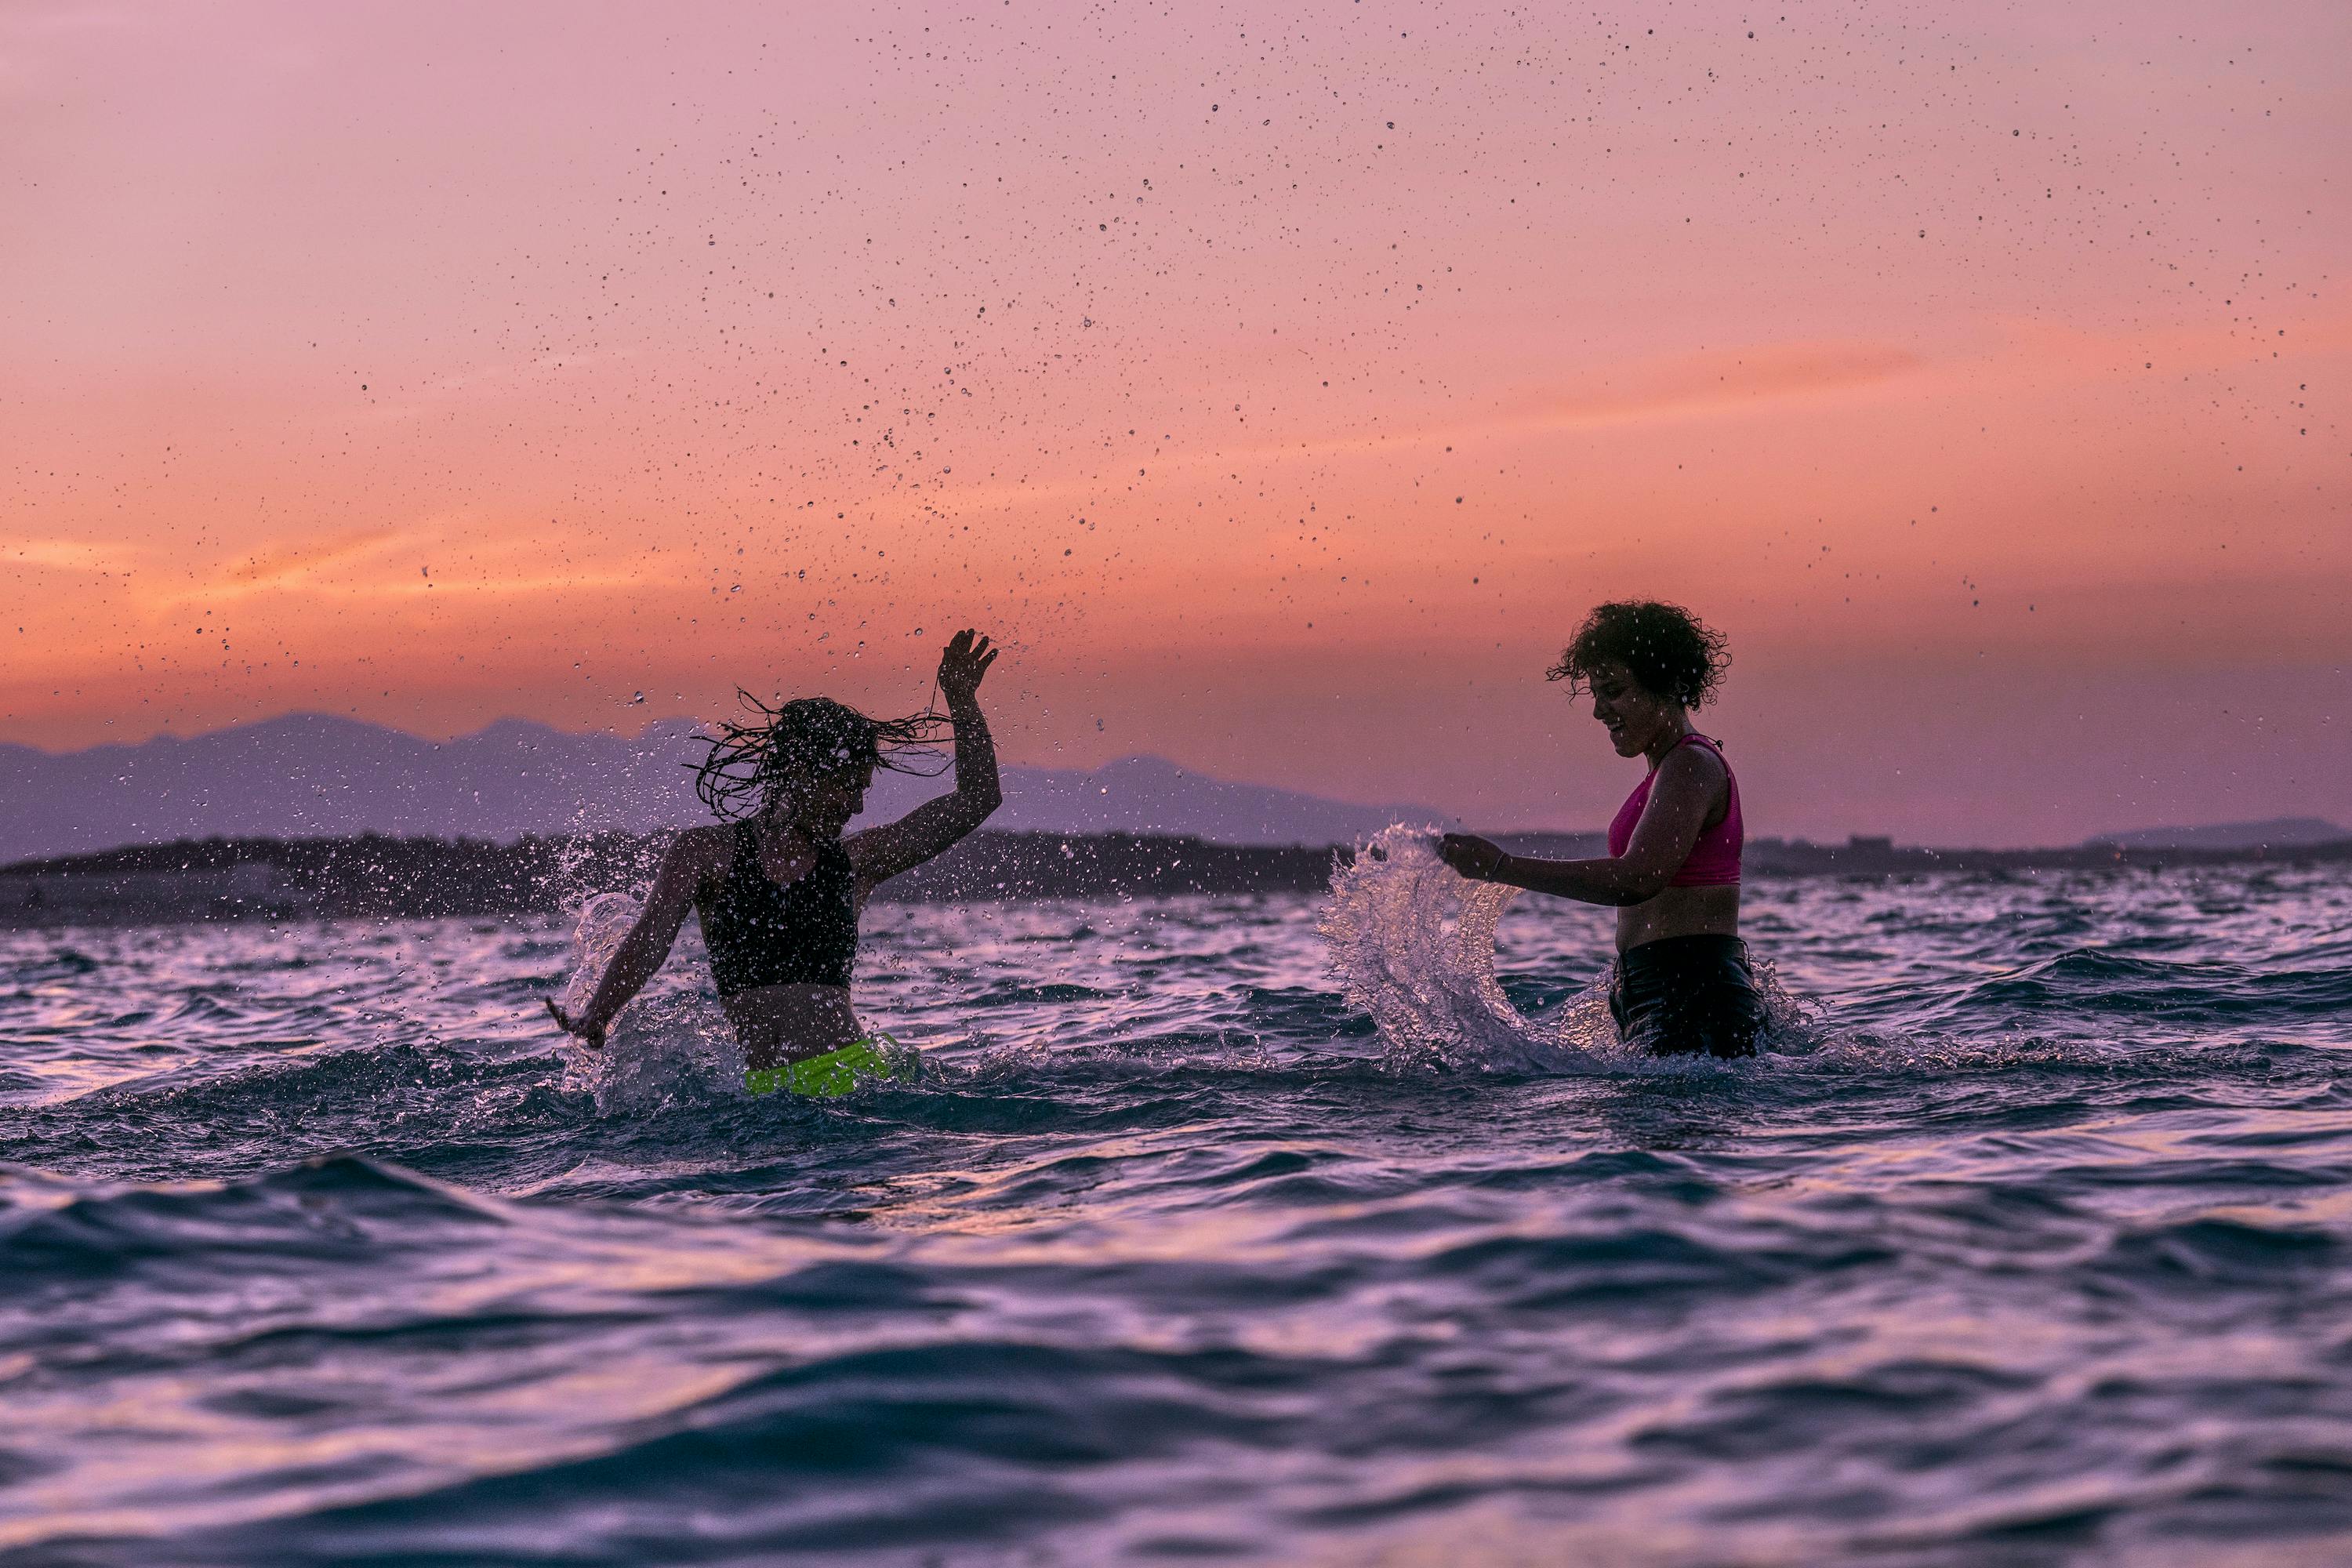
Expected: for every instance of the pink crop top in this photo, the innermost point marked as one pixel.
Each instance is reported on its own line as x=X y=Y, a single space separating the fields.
x=1714 y=860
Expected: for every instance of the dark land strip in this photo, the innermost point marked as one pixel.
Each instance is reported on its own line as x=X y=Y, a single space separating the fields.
x=371 y=876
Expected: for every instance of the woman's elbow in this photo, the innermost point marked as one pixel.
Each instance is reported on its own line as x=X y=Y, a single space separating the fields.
x=972 y=807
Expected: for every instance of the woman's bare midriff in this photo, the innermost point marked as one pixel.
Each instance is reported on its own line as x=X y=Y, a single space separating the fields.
x=1679 y=911
x=779 y=1023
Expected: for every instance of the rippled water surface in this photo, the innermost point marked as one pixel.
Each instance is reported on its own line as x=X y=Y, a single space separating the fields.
x=2028 y=1241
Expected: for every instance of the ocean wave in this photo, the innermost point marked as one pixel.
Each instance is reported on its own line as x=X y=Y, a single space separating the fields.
x=1166 y=1252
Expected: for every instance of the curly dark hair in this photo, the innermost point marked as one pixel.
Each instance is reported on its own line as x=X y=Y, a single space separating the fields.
x=806 y=738
x=1670 y=651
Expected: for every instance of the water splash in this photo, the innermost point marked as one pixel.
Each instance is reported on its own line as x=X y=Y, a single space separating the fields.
x=605 y=920
x=1412 y=944
x=660 y=1047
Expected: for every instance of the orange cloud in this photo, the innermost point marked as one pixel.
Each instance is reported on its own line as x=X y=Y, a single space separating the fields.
x=1699 y=385
x=298 y=563
x=68 y=554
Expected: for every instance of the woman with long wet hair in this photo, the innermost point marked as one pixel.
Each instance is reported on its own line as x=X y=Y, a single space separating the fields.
x=779 y=890
x=1682 y=982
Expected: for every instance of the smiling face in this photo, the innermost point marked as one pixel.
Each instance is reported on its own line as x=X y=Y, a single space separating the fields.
x=1636 y=718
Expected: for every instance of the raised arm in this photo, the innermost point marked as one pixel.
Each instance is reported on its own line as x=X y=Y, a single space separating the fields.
x=1688 y=783
x=648 y=942
x=881 y=853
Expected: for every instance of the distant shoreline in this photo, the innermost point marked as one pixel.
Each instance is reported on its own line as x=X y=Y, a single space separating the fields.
x=376 y=877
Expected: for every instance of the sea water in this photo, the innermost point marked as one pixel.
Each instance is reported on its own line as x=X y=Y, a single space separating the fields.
x=1244 y=1230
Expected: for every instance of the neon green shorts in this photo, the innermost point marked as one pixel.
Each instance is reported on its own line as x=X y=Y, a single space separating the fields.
x=827 y=1077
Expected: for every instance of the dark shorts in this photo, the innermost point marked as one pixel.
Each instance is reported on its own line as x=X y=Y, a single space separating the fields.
x=1684 y=995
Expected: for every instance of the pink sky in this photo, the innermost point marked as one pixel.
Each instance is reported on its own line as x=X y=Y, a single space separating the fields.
x=1280 y=384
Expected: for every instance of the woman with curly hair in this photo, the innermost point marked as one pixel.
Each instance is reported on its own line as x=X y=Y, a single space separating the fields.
x=1681 y=983
x=779 y=890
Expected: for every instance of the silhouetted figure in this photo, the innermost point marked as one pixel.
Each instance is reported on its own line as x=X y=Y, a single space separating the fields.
x=779 y=890
x=1682 y=982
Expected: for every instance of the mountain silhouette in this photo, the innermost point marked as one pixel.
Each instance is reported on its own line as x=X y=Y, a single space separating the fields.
x=307 y=775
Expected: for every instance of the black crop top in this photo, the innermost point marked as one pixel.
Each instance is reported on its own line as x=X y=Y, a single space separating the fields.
x=762 y=934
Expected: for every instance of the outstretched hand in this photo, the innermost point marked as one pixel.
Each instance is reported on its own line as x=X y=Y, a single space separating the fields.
x=1476 y=857
x=572 y=1025
x=964 y=660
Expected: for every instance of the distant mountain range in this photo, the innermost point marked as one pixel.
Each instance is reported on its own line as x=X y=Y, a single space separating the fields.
x=309 y=775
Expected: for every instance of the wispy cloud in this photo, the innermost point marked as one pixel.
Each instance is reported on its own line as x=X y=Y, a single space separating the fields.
x=67 y=555
x=295 y=563
x=1704 y=385
x=1726 y=385
x=452 y=554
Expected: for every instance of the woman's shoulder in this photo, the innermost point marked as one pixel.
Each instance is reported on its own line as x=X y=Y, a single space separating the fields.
x=1697 y=745
x=1696 y=758
x=706 y=847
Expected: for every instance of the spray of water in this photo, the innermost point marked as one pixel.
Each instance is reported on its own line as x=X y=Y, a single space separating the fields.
x=604 y=921
x=661 y=1047
x=1412 y=944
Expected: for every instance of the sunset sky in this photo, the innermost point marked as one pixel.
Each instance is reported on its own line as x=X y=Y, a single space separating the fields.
x=1279 y=384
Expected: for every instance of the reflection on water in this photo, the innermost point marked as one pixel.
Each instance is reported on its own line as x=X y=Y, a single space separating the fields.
x=2030 y=1244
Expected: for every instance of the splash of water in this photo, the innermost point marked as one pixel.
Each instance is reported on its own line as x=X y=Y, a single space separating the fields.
x=659 y=1048
x=1412 y=944
x=604 y=921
